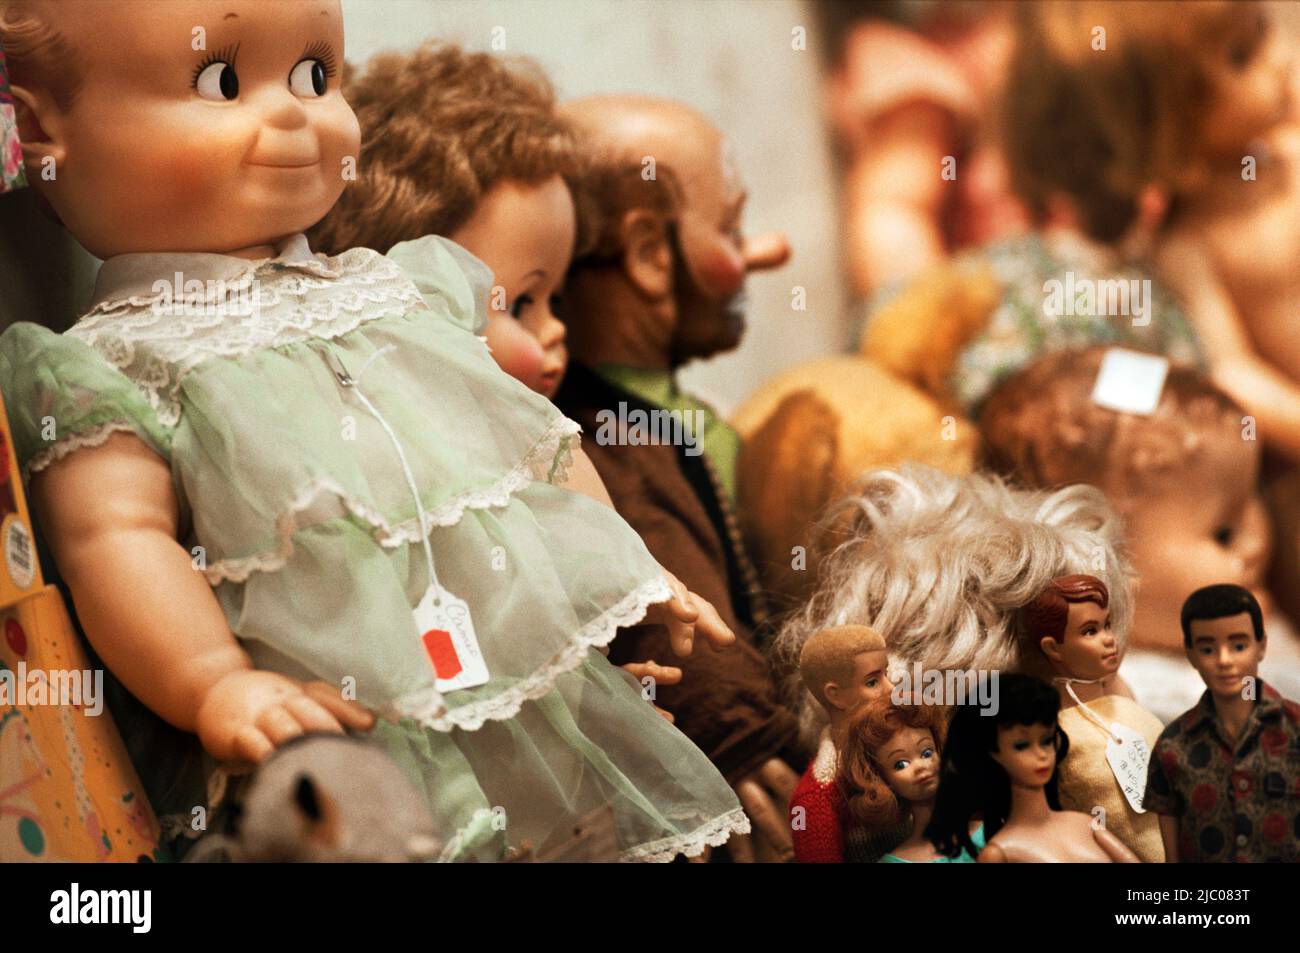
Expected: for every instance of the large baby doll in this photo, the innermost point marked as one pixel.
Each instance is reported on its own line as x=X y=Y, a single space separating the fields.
x=1183 y=478
x=469 y=146
x=1192 y=104
x=663 y=284
x=268 y=475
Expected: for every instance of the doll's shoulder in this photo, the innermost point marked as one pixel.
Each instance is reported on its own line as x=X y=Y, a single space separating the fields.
x=448 y=277
x=62 y=394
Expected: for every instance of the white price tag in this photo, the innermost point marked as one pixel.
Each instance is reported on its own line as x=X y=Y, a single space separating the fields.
x=1130 y=382
x=1128 y=755
x=447 y=633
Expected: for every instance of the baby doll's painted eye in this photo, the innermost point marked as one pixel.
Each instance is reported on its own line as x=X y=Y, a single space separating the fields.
x=217 y=81
x=900 y=765
x=1223 y=535
x=523 y=301
x=308 y=79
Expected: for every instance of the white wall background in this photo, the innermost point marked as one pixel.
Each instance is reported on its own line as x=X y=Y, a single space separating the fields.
x=731 y=59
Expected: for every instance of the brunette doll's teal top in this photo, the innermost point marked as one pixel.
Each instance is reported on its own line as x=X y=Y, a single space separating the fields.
x=303 y=404
x=977 y=838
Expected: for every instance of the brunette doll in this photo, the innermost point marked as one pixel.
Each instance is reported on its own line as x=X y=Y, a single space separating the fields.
x=889 y=773
x=1002 y=765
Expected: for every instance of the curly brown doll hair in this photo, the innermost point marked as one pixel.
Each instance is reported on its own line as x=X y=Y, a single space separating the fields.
x=439 y=127
x=860 y=777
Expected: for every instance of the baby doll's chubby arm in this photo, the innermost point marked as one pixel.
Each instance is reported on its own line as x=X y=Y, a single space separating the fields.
x=686 y=614
x=110 y=516
x=1265 y=392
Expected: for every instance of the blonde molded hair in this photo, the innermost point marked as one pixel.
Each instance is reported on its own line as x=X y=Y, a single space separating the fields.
x=828 y=655
x=439 y=127
x=940 y=566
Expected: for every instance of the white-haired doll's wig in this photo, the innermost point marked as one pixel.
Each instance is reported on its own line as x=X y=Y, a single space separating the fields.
x=939 y=565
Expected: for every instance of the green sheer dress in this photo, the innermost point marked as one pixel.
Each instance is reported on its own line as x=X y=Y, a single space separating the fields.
x=297 y=496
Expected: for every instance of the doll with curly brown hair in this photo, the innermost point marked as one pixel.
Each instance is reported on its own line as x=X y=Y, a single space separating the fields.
x=889 y=773
x=469 y=146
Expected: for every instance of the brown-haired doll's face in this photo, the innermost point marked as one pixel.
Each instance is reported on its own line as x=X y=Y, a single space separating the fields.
x=1251 y=73
x=909 y=764
x=1027 y=753
x=525 y=233
x=1088 y=648
x=1193 y=524
x=212 y=126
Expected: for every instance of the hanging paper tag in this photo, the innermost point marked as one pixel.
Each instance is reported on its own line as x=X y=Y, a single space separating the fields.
x=447 y=633
x=1130 y=382
x=1128 y=755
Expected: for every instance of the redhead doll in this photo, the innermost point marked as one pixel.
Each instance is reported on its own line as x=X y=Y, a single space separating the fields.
x=889 y=772
x=286 y=488
x=1002 y=766
x=469 y=146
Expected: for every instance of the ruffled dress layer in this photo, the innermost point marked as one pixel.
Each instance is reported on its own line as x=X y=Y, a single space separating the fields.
x=301 y=402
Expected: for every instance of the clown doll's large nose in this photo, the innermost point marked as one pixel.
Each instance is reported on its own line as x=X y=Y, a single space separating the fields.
x=770 y=250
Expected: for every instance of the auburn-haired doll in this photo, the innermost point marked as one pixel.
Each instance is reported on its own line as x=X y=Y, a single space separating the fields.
x=889 y=773
x=469 y=146
x=1001 y=765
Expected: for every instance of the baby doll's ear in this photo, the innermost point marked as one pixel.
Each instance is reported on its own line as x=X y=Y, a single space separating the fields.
x=647 y=256
x=39 y=127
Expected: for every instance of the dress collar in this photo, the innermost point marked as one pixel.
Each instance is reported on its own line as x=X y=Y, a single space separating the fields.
x=135 y=278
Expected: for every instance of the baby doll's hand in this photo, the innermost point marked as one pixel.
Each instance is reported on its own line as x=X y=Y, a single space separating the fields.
x=685 y=616
x=658 y=675
x=247 y=714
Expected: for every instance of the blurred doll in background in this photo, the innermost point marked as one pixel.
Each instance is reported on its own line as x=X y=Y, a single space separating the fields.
x=1002 y=767
x=1178 y=121
x=469 y=146
x=912 y=99
x=889 y=771
x=1184 y=478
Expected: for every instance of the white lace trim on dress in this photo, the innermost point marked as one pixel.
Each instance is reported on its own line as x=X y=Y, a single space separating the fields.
x=548 y=459
x=90 y=437
x=157 y=339
x=713 y=834
x=429 y=709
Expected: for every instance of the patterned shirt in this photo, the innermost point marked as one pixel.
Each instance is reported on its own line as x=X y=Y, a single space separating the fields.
x=1234 y=802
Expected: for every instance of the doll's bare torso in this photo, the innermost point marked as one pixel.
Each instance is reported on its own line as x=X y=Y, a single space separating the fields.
x=1251 y=231
x=1063 y=837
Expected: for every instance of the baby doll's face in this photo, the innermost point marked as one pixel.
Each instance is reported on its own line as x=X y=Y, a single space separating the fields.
x=1251 y=72
x=210 y=126
x=1027 y=753
x=1089 y=648
x=1225 y=652
x=909 y=764
x=1199 y=522
x=525 y=234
